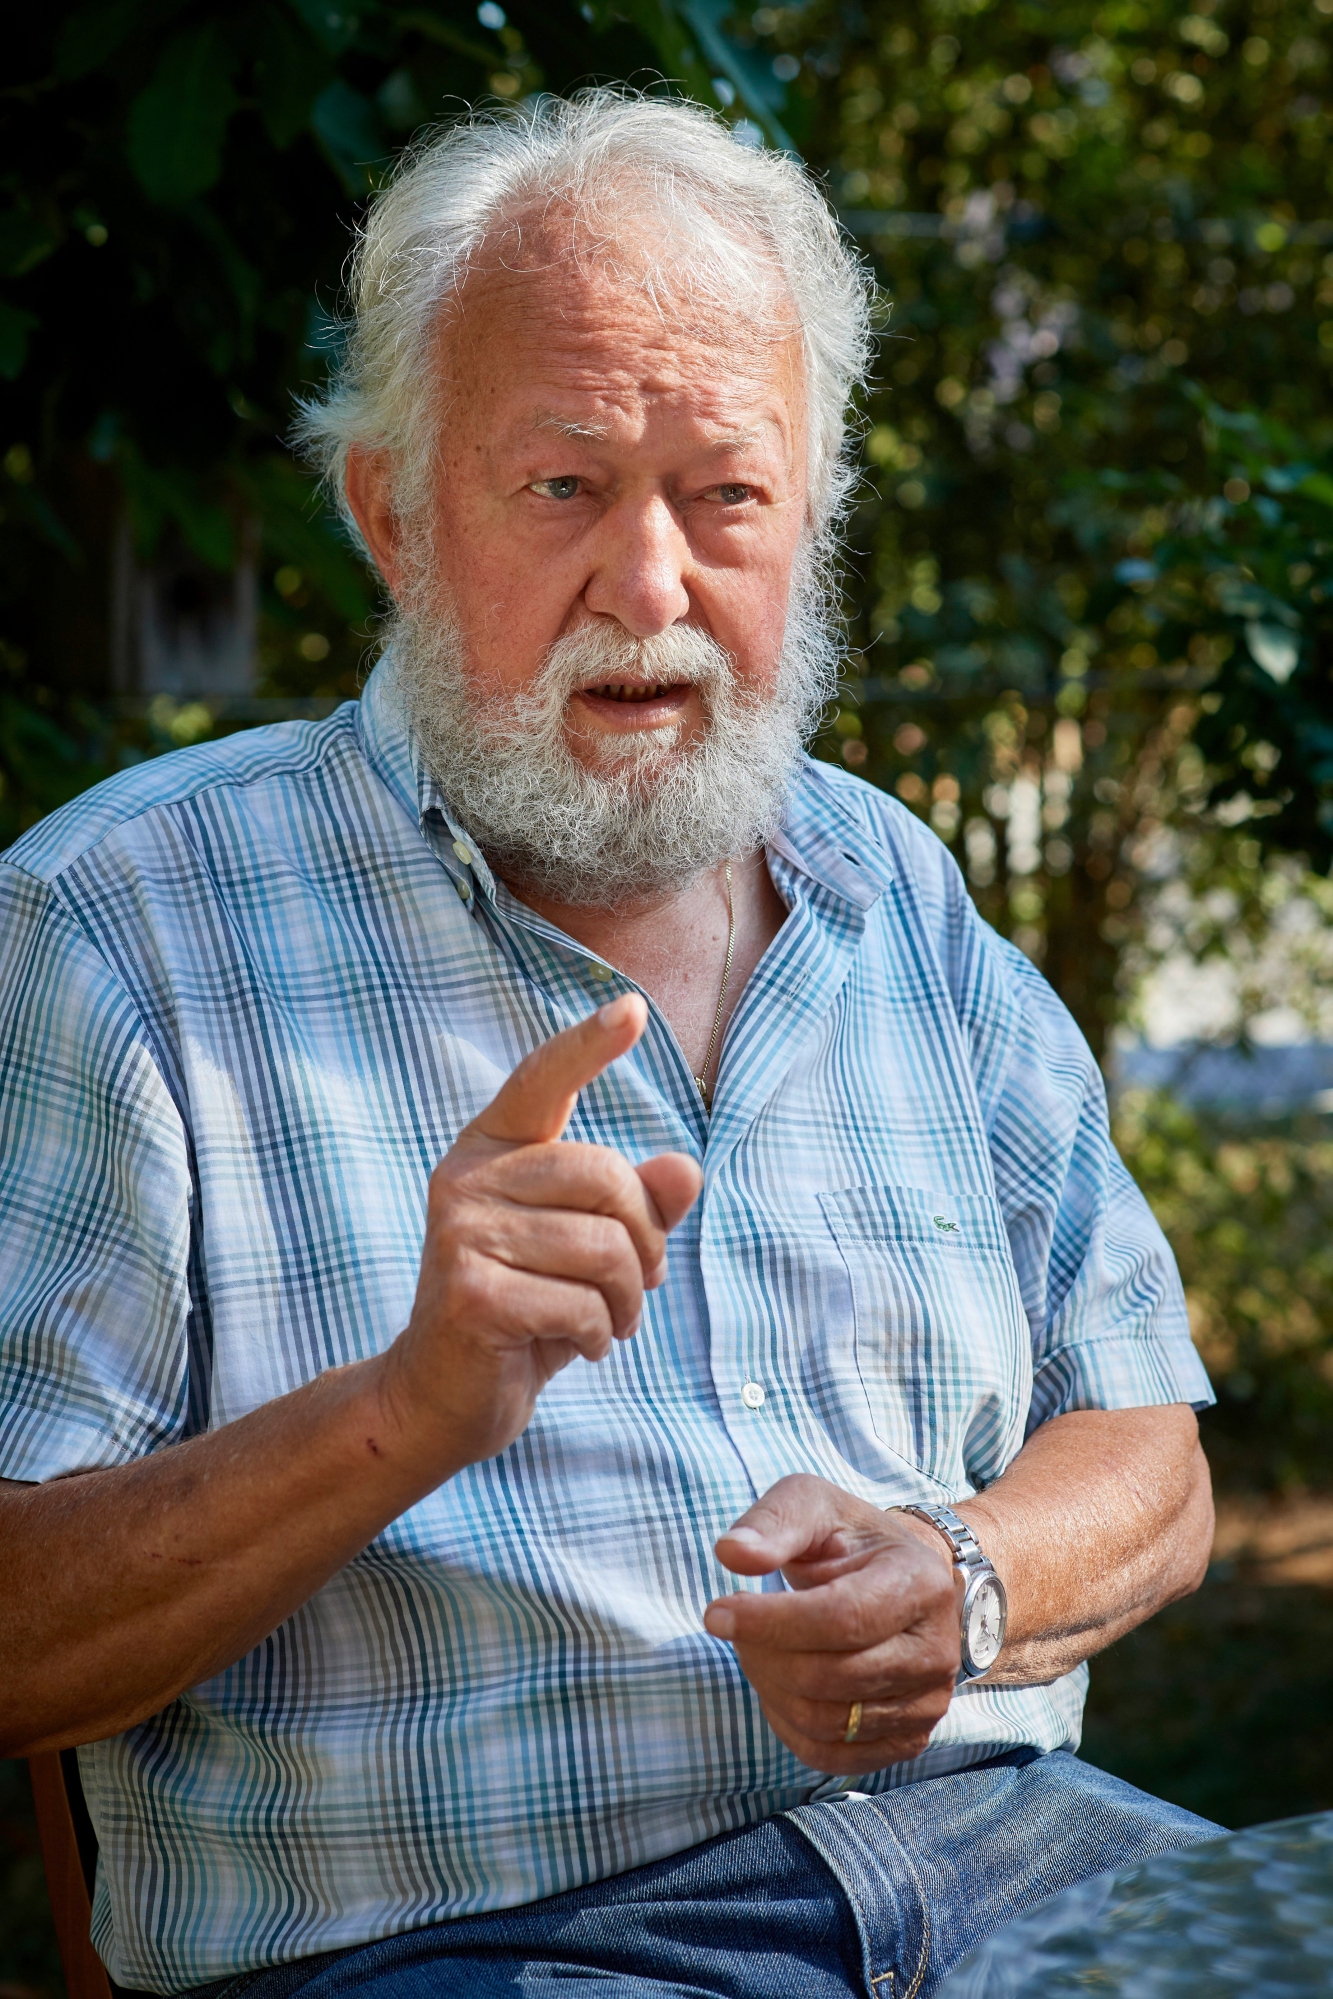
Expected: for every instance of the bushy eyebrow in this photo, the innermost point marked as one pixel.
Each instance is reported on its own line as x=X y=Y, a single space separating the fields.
x=736 y=440
x=581 y=433
x=598 y=433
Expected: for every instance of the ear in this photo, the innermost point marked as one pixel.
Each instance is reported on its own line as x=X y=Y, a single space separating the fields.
x=370 y=496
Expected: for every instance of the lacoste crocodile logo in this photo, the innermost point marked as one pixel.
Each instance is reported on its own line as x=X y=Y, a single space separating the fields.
x=941 y=1223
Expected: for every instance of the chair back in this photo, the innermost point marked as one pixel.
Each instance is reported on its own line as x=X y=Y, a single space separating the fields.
x=69 y=1855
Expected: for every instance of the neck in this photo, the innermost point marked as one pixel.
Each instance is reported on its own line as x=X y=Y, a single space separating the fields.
x=623 y=919
x=674 y=946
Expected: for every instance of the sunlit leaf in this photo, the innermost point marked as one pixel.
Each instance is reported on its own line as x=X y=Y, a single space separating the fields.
x=1318 y=486
x=1275 y=649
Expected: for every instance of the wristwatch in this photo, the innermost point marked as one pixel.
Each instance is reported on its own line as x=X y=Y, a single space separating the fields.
x=985 y=1606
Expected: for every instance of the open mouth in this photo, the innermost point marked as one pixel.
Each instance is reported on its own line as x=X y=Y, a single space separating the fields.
x=624 y=690
x=636 y=704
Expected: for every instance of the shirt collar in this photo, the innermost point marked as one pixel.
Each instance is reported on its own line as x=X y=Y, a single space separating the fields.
x=392 y=752
x=826 y=838
x=822 y=836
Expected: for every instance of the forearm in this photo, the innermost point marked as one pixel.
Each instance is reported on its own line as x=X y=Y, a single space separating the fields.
x=1101 y=1519
x=124 y=1586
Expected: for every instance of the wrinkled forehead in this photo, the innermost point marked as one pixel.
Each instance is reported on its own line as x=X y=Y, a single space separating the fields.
x=681 y=263
x=562 y=288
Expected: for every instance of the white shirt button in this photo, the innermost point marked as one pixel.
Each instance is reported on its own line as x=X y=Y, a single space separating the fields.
x=464 y=853
x=464 y=890
x=752 y=1395
x=602 y=973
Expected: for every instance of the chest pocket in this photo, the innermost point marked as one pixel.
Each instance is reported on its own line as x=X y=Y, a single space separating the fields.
x=942 y=1344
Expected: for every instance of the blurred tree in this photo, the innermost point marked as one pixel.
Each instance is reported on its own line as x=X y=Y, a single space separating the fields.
x=1101 y=228
x=180 y=194
x=1247 y=1213
x=1242 y=581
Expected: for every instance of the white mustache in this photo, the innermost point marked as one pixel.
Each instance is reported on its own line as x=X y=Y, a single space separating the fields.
x=604 y=654
x=650 y=809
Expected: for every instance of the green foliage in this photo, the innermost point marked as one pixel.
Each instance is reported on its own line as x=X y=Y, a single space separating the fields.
x=1241 y=582
x=1220 y=1703
x=1247 y=1214
x=178 y=123
x=1217 y=1703
x=1096 y=224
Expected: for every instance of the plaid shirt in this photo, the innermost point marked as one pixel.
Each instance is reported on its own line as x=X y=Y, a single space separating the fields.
x=250 y=992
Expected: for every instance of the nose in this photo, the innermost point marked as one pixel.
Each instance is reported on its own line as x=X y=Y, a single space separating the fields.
x=642 y=559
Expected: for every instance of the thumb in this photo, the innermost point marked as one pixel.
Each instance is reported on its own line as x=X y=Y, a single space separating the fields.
x=673 y=1182
x=533 y=1106
x=794 y=1518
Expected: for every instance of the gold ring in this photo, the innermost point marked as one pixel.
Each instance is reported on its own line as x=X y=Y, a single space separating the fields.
x=853 y=1722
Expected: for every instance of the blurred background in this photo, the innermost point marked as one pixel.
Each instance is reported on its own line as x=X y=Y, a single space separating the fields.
x=1089 y=596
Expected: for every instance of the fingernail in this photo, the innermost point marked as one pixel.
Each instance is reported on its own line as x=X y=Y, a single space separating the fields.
x=719 y=1621
x=750 y=1535
x=606 y=1014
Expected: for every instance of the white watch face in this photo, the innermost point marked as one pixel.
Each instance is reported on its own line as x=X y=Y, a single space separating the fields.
x=983 y=1634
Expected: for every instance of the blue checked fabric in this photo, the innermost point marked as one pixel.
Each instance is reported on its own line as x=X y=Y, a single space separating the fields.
x=250 y=993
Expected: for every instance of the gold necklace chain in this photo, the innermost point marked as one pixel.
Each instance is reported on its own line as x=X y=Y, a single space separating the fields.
x=705 y=1089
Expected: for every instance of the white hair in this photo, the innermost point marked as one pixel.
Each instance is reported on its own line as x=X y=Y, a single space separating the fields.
x=736 y=218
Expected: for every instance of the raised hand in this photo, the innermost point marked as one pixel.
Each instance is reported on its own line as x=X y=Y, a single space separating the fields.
x=537 y=1251
x=872 y=1615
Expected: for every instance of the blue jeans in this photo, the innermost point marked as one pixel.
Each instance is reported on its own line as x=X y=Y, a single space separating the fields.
x=877 y=1897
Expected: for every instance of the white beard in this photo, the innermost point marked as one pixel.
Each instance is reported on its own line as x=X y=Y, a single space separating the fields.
x=655 y=812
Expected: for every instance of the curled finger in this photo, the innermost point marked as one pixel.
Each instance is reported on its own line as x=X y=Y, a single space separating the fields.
x=524 y=1308
x=592 y=1250
x=876 y=1721
x=909 y=1664
x=587 y=1179
x=895 y=1592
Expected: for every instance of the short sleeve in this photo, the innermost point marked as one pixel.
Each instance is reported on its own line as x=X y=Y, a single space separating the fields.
x=1110 y=1329
x=94 y=1206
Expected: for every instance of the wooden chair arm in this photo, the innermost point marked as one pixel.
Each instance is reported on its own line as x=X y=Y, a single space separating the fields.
x=67 y=1883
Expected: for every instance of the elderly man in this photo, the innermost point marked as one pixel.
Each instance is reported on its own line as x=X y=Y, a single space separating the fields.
x=550 y=1603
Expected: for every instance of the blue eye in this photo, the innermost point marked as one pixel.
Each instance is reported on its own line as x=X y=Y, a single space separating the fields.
x=563 y=488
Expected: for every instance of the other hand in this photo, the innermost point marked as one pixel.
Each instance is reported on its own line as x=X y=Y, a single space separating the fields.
x=872 y=1615
x=536 y=1251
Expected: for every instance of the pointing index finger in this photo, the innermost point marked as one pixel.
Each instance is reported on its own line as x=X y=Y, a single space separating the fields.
x=534 y=1104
